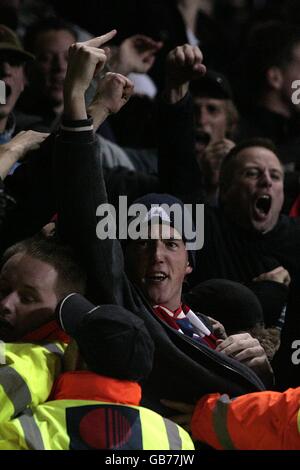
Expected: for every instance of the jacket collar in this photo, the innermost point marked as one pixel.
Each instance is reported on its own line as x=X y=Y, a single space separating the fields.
x=85 y=385
x=51 y=331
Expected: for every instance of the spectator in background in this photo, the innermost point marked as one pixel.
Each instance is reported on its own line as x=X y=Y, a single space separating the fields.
x=216 y=119
x=41 y=105
x=246 y=240
x=173 y=22
x=12 y=60
x=49 y=41
x=272 y=65
x=272 y=60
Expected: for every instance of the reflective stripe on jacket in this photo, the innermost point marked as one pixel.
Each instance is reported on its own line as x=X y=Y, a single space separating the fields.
x=27 y=373
x=88 y=425
x=256 y=421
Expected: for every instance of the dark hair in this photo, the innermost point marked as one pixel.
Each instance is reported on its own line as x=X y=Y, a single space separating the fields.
x=229 y=162
x=269 y=44
x=71 y=276
x=44 y=25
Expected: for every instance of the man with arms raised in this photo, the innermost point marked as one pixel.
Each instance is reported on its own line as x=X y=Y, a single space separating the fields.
x=156 y=265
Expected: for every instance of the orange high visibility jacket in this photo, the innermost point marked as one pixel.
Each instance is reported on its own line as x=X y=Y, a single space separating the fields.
x=256 y=421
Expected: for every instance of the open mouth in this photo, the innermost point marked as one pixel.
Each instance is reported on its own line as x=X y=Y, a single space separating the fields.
x=202 y=138
x=156 y=277
x=263 y=204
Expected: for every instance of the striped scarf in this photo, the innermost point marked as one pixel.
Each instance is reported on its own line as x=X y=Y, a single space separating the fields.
x=185 y=321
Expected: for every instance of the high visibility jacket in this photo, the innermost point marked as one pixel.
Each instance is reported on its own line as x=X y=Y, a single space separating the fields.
x=27 y=374
x=256 y=421
x=93 y=424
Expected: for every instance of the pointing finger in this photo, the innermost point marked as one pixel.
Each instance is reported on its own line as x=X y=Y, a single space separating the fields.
x=98 y=41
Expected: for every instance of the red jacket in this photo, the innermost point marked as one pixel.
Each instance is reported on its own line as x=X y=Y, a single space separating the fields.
x=256 y=421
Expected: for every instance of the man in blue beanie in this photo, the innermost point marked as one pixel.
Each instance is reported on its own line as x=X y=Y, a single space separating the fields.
x=159 y=263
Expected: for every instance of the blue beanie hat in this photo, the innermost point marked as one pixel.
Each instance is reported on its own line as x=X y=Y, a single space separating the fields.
x=160 y=207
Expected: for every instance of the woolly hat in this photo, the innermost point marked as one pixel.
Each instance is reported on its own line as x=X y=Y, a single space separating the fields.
x=213 y=85
x=113 y=341
x=169 y=210
x=231 y=303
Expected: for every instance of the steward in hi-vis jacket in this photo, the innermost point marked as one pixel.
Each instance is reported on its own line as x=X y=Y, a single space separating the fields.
x=89 y=412
x=96 y=408
x=257 y=421
x=27 y=374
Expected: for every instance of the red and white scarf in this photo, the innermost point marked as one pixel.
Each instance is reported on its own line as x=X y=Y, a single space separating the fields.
x=184 y=320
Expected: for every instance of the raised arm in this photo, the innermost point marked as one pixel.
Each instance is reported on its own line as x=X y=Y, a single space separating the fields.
x=17 y=148
x=78 y=173
x=179 y=172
